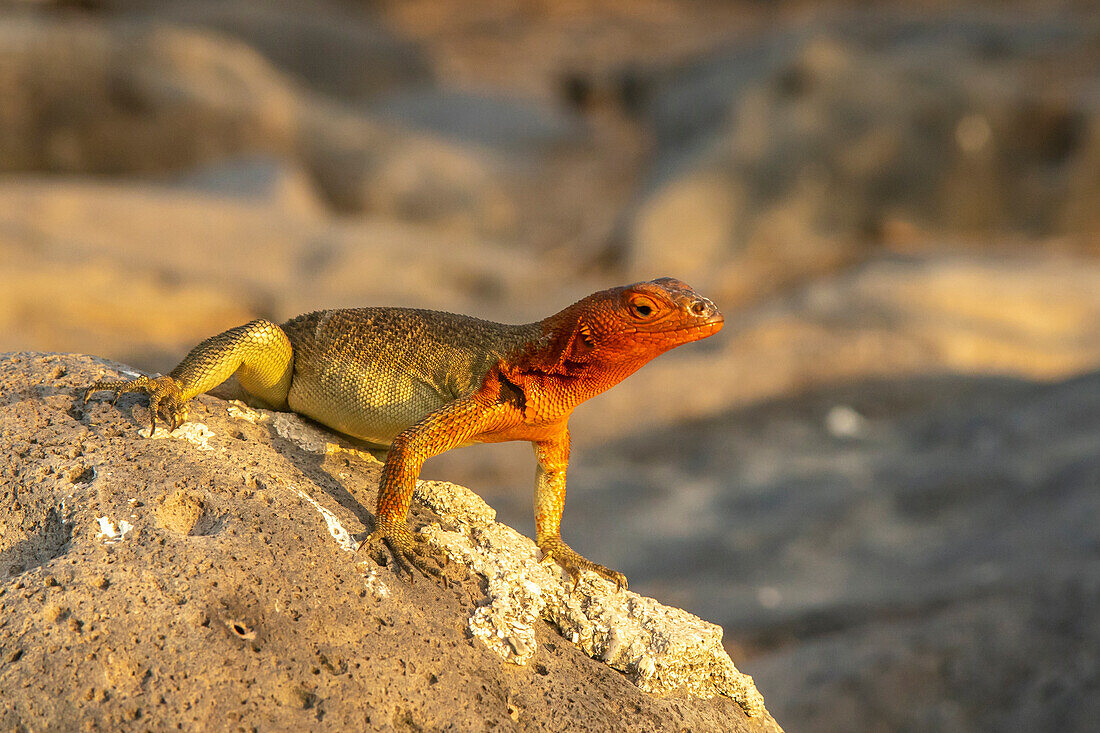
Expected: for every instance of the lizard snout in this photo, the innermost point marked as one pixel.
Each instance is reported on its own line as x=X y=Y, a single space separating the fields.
x=703 y=309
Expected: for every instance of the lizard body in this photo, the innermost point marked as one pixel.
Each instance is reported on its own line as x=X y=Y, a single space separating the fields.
x=424 y=382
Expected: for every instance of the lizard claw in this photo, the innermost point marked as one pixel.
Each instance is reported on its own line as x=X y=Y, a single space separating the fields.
x=573 y=563
x=165 y=398
x=407 y=549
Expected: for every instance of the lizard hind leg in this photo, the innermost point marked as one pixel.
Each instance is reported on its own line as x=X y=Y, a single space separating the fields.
x=259 y=353
x=165 y=398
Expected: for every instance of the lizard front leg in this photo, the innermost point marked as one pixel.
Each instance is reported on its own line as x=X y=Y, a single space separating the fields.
x=259 y=352
x=553 y=460
x=448 y=427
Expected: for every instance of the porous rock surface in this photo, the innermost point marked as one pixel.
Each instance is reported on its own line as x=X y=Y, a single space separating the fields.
x=209 y=578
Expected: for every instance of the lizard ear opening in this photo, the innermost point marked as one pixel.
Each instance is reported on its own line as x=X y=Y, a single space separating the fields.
x=576 y=350
x=566 y=351
x=570 y=350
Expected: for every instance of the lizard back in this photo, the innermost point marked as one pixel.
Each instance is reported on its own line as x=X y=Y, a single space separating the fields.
x=372 y=372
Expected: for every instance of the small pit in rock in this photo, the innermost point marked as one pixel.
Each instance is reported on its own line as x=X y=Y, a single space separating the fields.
x=242 y=630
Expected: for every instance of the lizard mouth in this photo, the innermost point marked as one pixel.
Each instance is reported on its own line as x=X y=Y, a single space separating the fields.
x=711 y=325
x=691 y=332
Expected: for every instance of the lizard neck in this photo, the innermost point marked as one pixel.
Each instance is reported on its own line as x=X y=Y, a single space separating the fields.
x=562 y=366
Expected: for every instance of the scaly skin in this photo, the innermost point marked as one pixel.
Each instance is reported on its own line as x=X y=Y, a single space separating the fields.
x=424 y=382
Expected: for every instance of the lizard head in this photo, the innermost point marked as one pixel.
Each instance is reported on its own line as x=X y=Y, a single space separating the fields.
x=630 y=325
x=666 y=312
x=600 y=340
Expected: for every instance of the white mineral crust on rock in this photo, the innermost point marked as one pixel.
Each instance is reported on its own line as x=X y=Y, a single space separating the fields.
x=661 y=649
x=341 y=535
x=240 y=411
x=195 y=433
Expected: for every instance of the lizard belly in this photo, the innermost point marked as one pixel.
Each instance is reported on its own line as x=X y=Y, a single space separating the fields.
x=364 y=402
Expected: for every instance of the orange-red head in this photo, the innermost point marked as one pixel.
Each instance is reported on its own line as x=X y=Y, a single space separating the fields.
x=612 y=333
x=652 y=316
x=597 y=342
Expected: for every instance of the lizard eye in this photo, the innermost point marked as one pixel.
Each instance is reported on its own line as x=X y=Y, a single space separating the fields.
x=642 y=307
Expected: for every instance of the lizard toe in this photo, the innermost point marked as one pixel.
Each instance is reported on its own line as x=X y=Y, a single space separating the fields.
x=574 y=563
x=165 y=402
x=423 y=562
x=165 y=397
x=615 y=577
x=119 y=387
x=172 y=411
x=407 y=550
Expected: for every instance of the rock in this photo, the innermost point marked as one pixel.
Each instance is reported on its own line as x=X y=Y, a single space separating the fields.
x=935 y=569
x=663 y=650
x=343 y=52
x=363 y=167
x=1013 y=659
x=86 y=96
x=128 y=96
x=185 y=512
x=994 y=314
x=497 y=121
x=790 y=157
x=302 y=625
x=260 y=180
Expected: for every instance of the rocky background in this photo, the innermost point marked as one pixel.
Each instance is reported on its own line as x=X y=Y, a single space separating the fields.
x=881 y=478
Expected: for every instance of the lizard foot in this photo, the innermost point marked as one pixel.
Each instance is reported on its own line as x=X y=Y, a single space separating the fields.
x=165 y=398
x=408 y=550
x=574 y=562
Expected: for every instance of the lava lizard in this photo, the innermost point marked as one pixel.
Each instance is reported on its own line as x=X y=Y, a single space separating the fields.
x=424 y=382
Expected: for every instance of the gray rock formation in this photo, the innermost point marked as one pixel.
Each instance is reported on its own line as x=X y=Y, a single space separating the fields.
x=788 y=156
x=917 y=553
x=344 y=52
x=135 y=95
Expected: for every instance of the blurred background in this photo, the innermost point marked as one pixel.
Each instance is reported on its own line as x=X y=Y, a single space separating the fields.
x=881 y=478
